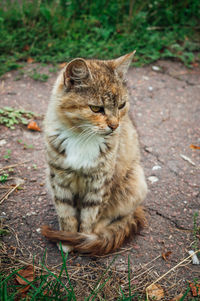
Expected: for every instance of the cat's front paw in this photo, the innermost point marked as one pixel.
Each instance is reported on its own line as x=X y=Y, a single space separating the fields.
x=65 y=248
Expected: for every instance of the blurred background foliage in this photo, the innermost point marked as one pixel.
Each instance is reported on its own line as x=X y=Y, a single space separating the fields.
x=57 y=30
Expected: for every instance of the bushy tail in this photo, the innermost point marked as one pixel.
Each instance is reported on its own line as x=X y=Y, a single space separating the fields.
x=109 y=239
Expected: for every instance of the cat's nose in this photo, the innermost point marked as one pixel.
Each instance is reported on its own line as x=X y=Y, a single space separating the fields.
x=113 y=126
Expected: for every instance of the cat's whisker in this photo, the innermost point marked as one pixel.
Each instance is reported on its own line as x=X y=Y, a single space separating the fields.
x=86 y=137
x=89 y=137
x=83 y=133
x=82 y=137
x=79 y=126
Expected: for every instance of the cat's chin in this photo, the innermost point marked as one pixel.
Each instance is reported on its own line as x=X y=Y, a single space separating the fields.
x=106 y=133
x=109 y=133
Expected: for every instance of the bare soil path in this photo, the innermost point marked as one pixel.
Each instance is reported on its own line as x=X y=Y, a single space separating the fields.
x=165 y=104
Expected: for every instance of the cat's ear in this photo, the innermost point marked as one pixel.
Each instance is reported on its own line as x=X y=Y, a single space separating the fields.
x=76 y=72
x=122 y=63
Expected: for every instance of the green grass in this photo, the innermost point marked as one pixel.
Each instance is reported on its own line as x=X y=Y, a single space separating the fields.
x=57 y=285
x=4 y=177
x=48 y=285
x=39 y=76
x=11 y=116
x=55 y=31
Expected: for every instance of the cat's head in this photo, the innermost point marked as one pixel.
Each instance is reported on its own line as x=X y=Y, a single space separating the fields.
x=92 y=94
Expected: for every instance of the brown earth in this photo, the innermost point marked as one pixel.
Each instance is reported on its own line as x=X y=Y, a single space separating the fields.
x=165 y=105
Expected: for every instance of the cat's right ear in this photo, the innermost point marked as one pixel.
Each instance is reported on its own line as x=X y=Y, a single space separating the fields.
x=76 y=73
x=122 y=63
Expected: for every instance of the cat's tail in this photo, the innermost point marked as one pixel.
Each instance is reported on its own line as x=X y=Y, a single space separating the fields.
x=106 y=240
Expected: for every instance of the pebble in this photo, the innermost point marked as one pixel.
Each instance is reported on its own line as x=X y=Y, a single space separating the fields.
x=150 y=88
x=153 y=179
x=38 y=230
x=155 y=68
x=2 y=142
x=195 y=259
x=31 y=213
x=156 y=167
x=148 y=149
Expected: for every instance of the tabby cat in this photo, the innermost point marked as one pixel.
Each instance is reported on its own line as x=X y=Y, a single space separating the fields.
x=93 y=157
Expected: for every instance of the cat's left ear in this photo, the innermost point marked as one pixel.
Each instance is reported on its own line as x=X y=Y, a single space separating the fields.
x=122 y=63
x=76 y=72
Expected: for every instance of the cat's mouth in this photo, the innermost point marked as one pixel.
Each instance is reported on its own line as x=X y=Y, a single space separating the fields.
x=107 y=132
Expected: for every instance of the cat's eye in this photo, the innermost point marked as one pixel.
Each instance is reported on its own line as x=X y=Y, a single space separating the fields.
x=97 y=109
x=122 y=106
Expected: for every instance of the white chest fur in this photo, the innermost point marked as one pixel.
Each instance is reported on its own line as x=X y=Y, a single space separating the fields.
x=81 y=152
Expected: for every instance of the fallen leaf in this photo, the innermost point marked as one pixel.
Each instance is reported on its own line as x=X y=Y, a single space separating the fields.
x=177 y=298
x=23 y=290
x=194 y=146
x=33 y=126
x=166 y=255
x=26 y=48
x=195 y=288
x=28 y=273
x=155 y=292
x=195 y=64
x=30 y=60
x=62 y=65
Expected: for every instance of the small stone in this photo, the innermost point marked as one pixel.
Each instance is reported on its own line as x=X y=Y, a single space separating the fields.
x=38 y=230
x=2 y=142
x=156 y=167
x=31 y=213
x=155 y=68
x=148 y=149
x=145 y=77
x=195 y=259
x=33 y=180
x=150 y=88
x=153 y=179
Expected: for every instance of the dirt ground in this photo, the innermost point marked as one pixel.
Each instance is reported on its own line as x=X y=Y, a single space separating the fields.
x=165 y=104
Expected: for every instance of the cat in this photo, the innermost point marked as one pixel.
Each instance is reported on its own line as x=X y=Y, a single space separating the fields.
x=93 y=157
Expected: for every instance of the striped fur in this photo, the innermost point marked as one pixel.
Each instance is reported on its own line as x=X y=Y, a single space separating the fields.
x=104 y=241
x=94 y=170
